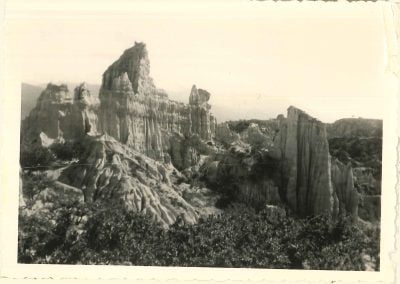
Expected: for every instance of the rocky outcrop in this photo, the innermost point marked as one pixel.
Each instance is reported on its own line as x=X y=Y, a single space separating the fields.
x=137 y=114
x=311 y=182
x=256 y=138
x=243 y=176
x=364 y=154
x=224 y=135
x=303 y=148
x=111 y=172
x=60 y=115
x=187 y=151
x=346 y=196
x=203 y=123
x=139 y=140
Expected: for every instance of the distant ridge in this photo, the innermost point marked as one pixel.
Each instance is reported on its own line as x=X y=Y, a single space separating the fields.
x=29 y=95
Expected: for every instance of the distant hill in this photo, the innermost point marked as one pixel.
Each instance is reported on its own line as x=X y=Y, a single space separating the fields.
x=30 y=93
x=355 y=127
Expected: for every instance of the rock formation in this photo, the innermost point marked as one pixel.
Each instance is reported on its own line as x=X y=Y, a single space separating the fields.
x=256 y=138
x=303 y=148
x=141 y=143
x=311 y=183
x=364 y=154
x=60 y=115
x=111 y=172
x=137 y=114
x=346 y=196
x=224 y=135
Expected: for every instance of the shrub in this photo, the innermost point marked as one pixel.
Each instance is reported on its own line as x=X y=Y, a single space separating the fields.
x=33 y=183
x=36 y=157
x=236 y=238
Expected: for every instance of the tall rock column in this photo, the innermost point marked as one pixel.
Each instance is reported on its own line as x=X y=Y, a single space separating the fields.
x=136 y=113
x=203 y=123
x=303 y=148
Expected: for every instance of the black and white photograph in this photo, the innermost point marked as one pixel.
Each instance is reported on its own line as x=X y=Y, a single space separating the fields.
x=248 y=134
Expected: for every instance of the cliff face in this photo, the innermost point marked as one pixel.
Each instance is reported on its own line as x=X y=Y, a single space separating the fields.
x=303 y=149
x=311 y=183
x=60 y=115
x=137 y=114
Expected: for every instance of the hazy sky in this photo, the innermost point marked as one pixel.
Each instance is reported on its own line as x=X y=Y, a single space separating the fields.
x=255 y=58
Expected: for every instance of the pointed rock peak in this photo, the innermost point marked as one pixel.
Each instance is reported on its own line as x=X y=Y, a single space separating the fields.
x=296 y=112
x=135 y=63
x=198 y=96
x=82 y=94
x=81 y=90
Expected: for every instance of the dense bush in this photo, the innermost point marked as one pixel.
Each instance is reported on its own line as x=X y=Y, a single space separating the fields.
x=36 y=157
x=238 y=238
x=239 y=126
x=33 y=183
x=68 y=150
x=367 y=151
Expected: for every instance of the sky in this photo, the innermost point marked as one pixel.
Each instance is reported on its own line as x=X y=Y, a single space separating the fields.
x=255 y=58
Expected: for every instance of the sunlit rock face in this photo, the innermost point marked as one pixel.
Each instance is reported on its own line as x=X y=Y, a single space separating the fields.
x=141 y=116
x=61 y=115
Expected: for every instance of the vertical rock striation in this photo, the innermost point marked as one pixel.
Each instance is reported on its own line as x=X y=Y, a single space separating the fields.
x=346 y=196
x=137 y=114
x=304 y=151
x=311 y=183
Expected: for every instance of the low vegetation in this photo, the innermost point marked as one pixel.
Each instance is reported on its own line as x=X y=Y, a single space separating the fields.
x=240 y=237
x=41 y=157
